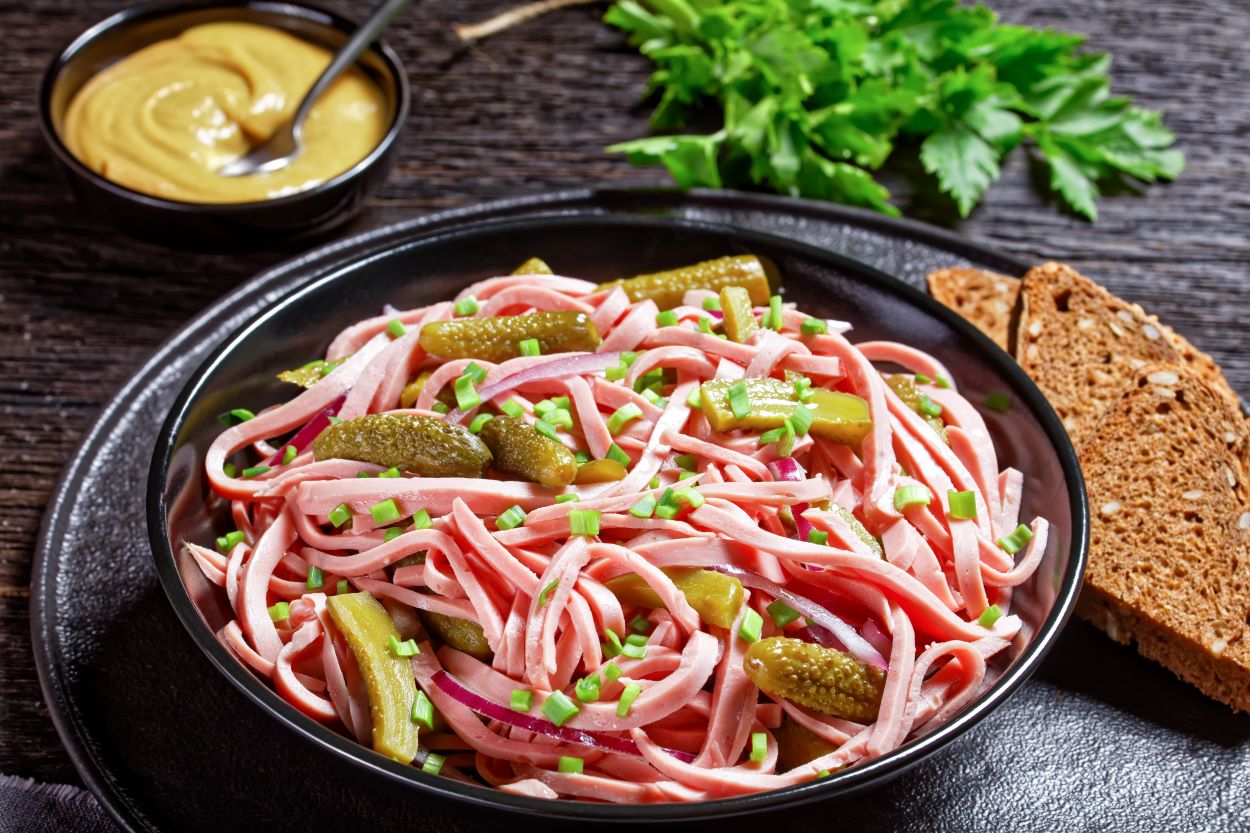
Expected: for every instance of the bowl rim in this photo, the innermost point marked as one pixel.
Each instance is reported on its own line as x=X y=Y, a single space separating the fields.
x=852 y=780
x=157 y=9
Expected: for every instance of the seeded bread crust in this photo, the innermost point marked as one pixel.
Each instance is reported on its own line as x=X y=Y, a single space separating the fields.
x=1168 y=473
x=985 y=298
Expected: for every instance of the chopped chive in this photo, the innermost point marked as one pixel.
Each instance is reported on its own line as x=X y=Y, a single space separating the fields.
x=771 y=436
x=587 y=688
x=654 y=398
x=1016 y=540
x=390 y=473
x=644 y=508
x=513 y=408
x=228 y=541
x=989 y=616
x=922 y=379
x=316 y=578
x=998 y=401
x=686 y=461
x=235 y=416
x=342 y=587
x=421 y=519
x=942 y=382
x=363 y=474
x=570 y=765
x=475 y=426
x=705 y=324
x=395 y=328
x=668 y=318
x=814 y=327
x=695 y=398
x=654 y=483
x=786 y=447
x=628 y=696
x=802 y=419
x=439 y=408
x=423 y=710
x=229 y=469
x=759 y=747
x=407 y=648
x=752 y=626
x=340 y=515
x=510 y=519
x=530 y=347
x=690 y=497
x=391 y=534
x=611 y=648
x=384 y=512
x=334 y=420
x=288 y=454
x=817 y=536
x=522 y=700
x=433 y=763
x=928 y=407
x=466 y=394
x=824 y=773
x=668 y=511
x=627 y=412
x=640 y=624
x=617 y=373
x=544 y=598
x=567 y=498
x=774 y=312
x=963 y=505
x=612 y=672
x=634 y=651
x=616 y=453
x=912 y=495
x=581 y=457
x=584 y=522
x=254 y=471
x=547 y=430
x=280 y=611
x=559 y=708
x=544 y=407
x=560 y=418
x=781 y=613
x=650 y=379
x=466 y=306
x=711 y=303
x=474 y=371
x=739 y=400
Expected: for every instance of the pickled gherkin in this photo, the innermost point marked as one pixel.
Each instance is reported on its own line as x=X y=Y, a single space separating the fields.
x=461 y=634
x=861 y=531
x=533 y=266
x=823 y=679
x=739 y=314
x=421 y=445
x=905 y=387
x=309 y=374
x=669 y=287
x=600 y=471
x=498 y=338
x=841 y=417
x=716 y=597
x=796 y=744
x=388 y=678
x=412 y=391
x=519 y=449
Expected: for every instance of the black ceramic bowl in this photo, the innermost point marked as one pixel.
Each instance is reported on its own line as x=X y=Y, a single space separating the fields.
x=220 y=224
x=433 y=267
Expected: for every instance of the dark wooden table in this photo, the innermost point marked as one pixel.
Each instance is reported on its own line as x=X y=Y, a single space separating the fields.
x=81 y=306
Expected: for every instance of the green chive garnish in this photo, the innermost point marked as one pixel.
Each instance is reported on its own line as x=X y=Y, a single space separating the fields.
x=912 y=495
x=569 y=764
x=433 y=763
x=255 y=471
x=587 y=688
x=407 y=648
x=616 y=453
x=522 y=700
x=288 y=454
x=611 y=648
x=612 y=672
x=390 y=473
x=439 y=408
x=384 y=512
x=235 y=416
x=695 y=398
x=395 y=328
x=928 y=407
x=421 y=519
x=668 y=318
x=628 y=696
x=922 y=379
x=511 y=519
x=640 y=624
x=340 y=515
x=584 y=522
x=466 y=306
x=466 y=394
x=544 y=598
x=759 y=747
x=813 y=327
x=739 y=400
x=567 y=498
x=316 y=578
x=644 y=508
x=280 y=611
x=781 y=613
x=530 y=347
x=774 y=310
x=1013 y=543
x=690 y=497
x=559 y=708
x=423 y=710
x=635 y=646
x=711 y=303
x=989 y=616
x=546 y=429
x=342 y=587
x=963 y=505
x=817 y=536
x=752 y=626
x=802 y=419
x=622 y=415
x=392 y=533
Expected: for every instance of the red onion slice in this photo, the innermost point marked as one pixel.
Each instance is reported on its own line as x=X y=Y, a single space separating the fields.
x=788 y=469
x=560 y=365
x=312 y=429
x=856 y=645
x=494 y=711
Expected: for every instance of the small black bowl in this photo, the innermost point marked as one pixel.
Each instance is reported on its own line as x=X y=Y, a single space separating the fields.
x=228 y=225
x=426 y=268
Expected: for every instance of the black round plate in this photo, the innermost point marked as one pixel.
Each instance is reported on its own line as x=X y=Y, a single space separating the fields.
x=167 y=743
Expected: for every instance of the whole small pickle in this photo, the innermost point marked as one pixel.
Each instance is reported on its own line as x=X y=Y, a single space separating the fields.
x=600 y=471
x=461 y=634
x=841 y=417
x=716 y=597
x=905 y=387
x=412 y=391
x=533 y=266
x=739 y=314
x=796 y=745
x=420 y=445
x=861 y=532
x=669 y=287
x=499 y=337
x=824 y=679
x=519 y=449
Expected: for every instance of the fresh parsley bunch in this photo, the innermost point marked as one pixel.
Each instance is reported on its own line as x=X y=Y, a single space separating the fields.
x=817 y=94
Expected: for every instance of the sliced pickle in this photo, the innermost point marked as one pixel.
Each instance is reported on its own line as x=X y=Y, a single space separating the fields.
x=669 y=287
x=861 y=531
x=461 y=634
x=519 y=449
x=841 y=417
x=716 y=597
x=600 y=471
x=310 y=374
x=420 y=445
x=905 y=387
x=499 y=337
x=824 y=679
x=533 y=266
x=796 y=745
x=739 y=313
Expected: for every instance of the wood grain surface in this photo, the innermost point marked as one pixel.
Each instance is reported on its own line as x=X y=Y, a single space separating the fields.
x=528 y=111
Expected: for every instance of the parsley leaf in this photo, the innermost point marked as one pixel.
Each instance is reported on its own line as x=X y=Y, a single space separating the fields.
x=816 y=95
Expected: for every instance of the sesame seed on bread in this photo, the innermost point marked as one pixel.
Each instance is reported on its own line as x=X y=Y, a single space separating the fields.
x=985 y=298
x=1167 y=468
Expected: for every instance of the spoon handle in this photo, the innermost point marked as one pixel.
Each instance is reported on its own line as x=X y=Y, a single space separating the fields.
x=347 y=55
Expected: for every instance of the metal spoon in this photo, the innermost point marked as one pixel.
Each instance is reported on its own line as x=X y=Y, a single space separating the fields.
x=280 y=149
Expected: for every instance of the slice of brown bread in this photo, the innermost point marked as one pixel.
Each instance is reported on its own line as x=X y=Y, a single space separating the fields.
x=1081 y=344
x=1168 y=473
x=986 y=299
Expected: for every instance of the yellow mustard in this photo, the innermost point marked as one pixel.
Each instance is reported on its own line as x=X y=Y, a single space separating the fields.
x=163 y=120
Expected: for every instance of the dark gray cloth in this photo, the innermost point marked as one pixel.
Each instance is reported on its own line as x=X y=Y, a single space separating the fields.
x=26 y=806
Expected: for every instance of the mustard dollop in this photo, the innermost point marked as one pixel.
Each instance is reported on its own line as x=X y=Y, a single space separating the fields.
x=163 y=120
